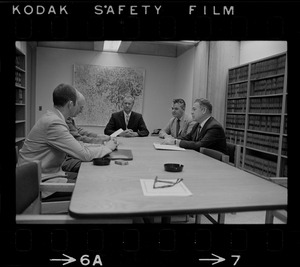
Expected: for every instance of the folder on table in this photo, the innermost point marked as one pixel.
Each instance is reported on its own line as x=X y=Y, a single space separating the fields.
x=167 y=147
x=125 y=154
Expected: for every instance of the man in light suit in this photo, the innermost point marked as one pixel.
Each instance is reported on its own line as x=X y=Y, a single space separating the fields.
x=50 y=140
x=131 y=122
x=180 y=124
x=207 y=132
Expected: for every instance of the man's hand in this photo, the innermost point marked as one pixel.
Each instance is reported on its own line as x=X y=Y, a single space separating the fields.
x=104 y=137
x=168 y=141
x=112 y=144
x=128 y=133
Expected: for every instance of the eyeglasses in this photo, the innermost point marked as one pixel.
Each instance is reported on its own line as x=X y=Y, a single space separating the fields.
x=167 y=183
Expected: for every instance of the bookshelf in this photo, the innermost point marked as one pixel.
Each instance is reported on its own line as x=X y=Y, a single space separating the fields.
x=256 y=115
x=20 y=102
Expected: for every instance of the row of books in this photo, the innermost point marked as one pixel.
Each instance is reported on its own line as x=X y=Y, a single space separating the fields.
x=20 y=63
x=237 y=90
x=263 y=142
x=18 y=78
x=268 y=67
x=264 y=123
x=235 y=121
x=267 y=86
x=284 y=146
x=235 y=137
x=238 y=74
x=266 y=105
x=261 y=166
x=20 y=96
x=236 y=105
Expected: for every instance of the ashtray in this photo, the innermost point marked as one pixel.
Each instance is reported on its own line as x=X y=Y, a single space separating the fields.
x=101 y=161
x=173 y=167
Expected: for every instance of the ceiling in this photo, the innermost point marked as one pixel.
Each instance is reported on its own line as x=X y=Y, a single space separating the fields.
x=152 y=48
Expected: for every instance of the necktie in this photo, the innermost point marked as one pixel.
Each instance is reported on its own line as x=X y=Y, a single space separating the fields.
x=177 y=127
x=126 y=120
x=198 y=132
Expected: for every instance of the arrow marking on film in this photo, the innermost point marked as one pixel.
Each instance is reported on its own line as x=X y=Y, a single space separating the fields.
x=218 y=260
x=67 y=261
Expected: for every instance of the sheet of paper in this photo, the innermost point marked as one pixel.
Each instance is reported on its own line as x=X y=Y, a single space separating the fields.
x=167 y=147
x=179 y=189
x=116 y=133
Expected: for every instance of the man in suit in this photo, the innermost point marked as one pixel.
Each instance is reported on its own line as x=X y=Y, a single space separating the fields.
x=50 y=140
x=72 y=164
x=131 y=122
x=207 y=132
x=180 y=124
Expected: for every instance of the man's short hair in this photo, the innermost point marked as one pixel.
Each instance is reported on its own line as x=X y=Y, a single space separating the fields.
x=64 y=93
x=128 y=96
x=204 y=103
x=180 y=101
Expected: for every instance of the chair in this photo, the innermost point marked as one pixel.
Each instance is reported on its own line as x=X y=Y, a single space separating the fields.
x=221 y=157
x=234 y=153
x=28 y=177
x=279 y=214
x=28 y=200
x=28 y=188
x=214 y=154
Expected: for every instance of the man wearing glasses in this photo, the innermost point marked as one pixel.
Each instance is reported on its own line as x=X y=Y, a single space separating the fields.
x=181 y=123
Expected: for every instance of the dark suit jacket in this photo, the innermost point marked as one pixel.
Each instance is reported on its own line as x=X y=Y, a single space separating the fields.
x=212 y=136
x=117 y=121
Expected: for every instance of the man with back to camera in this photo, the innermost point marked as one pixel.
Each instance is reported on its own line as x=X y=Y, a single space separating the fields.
x=207 y=132
x=181 y=123
x=131 y=122
x=50 y=140
x=71 y=163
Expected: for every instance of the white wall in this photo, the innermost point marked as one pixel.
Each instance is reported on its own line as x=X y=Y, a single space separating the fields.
x=55 y=66
x=254 y=50
x=184 y=79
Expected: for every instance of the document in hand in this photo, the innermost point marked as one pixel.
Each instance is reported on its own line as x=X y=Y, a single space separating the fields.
x=177 y=190
x=116 y=133
x=167 y=147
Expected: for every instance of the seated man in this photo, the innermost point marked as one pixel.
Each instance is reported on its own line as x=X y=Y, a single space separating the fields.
x=131 y=122
x=207 y=132
x=49 y=141
x=81 y=134
x=70 y=163
x=180 y=124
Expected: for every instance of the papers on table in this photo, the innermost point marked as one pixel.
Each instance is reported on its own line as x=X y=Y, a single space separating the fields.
x=179 y=189
x=167 y=147
x=116 y=133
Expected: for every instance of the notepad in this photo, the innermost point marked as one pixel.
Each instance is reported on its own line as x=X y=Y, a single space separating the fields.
x=116 y=133
x=179 y=189
x=125 y=154
x=167 y=147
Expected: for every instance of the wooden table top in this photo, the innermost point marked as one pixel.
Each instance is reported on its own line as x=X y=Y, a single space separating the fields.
x=114 y=191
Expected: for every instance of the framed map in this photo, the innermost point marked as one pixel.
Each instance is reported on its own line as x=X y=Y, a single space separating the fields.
x=103 y=88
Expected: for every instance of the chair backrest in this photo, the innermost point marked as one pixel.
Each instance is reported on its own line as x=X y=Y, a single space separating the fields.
x=234 y=153
x=214 y=154
x=231 y=151
x=27 y=187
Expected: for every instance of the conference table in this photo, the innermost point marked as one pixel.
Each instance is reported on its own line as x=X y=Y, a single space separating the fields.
x=115 y=192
